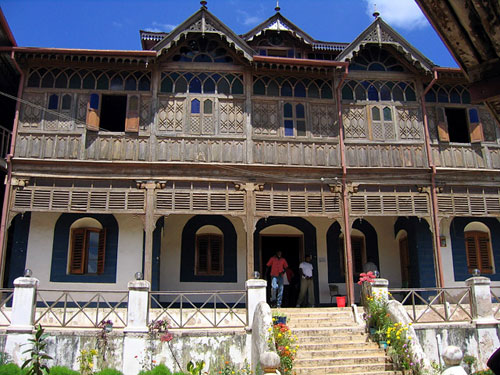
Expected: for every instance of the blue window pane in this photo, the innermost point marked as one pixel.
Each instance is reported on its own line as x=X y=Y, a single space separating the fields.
x=442 y=96
x=473 y=115
x=300 y=90
x=117 y=83
x=360 y=93
x=455 y=96
x=286 y=89
x=375 y=114
x=88 y=82
x=387 y=114
x=237 y=87
x=195 y=106
x=385 y=93
x=203 y=58
x=300 y=110
x=259 y=88
x=372 y=93
x=223 y=87
x=290 y=53
x=94 y=101
x=287 y=110
x=465 y=97
x=397 y=94
x=167 y=85
x=272 y=89
x=430 y=97
x=347 y=93
x=93 y=251
x=326 y=92
x=53 y=101
x=75 y=82
x=288 y=128
x=209 y=86
x=410 y=95
x=377 y=67
x=144 y=84
x=313 y=91
x=195 y=85
x=181 y=86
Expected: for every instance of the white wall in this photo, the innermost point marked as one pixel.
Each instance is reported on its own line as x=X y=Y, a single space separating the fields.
x=170 y=263
x=39 y=252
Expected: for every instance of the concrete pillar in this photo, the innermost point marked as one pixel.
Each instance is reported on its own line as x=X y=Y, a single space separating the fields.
x=380 y=287
x=480 y=298
x=256 y=293
x=138 y=306
x=23 y=305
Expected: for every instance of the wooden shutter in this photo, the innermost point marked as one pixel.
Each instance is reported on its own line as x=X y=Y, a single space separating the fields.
x=442 y=126
x=78 y=254
x=216 y=254
x=476 y=127
x=477 y=246
x=101 y=252
x=202 y=254
x=93 y=112
x=132 y=121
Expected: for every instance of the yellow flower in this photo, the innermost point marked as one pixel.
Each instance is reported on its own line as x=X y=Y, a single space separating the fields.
x=409 y=337
x=388 y=341
x=286 y=347
x=91 y=365
x=279 y=335
x=270 y=329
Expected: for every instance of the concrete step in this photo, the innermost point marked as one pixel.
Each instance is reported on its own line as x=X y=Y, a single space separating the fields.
x=342 y=345
x=330 y=331
x=378 y=358
x=304 y=354
x=331 y=339
x=383 y=368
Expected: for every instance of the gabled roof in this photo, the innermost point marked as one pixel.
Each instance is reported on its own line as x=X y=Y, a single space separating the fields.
x=278 y=23
x=204 y=22
x=381 y=33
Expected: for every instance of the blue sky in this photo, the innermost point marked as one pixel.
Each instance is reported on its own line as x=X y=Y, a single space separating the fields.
x=115 y=24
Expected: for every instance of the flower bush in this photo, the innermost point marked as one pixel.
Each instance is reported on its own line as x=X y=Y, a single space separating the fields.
x=86 y=360
x=285 y=344
x=399 y=345
x=368 y=277
x=377 y=315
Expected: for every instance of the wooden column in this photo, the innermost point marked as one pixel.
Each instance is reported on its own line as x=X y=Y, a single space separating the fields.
x=250 y=221
x=149 y=227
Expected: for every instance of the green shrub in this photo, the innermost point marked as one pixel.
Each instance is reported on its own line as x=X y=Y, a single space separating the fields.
x=107 y=371
x=157 y=370
x=10 y=369
x=62 y=370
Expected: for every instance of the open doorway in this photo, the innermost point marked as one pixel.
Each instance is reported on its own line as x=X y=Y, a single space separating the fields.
x=292 y=250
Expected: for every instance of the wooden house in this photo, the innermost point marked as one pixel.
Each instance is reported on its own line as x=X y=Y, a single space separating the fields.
x=197 y=158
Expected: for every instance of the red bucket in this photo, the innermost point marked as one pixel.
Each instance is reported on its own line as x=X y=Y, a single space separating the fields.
x=340 y=301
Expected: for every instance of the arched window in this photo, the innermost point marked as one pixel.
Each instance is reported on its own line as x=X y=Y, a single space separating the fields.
x=209 y=255
x=87 y=247
x=294 y=120
x=478 y=248
x=358 y=252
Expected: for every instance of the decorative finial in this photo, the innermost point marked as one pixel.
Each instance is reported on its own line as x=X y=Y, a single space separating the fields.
x=277 y=9
x=203 y=4
x=376 y=13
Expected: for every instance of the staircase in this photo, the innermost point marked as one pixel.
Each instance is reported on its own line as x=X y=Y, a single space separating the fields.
x=331 y=342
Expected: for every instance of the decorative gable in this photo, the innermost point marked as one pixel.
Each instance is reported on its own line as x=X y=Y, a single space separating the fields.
x=381 y=33
x=204 y=22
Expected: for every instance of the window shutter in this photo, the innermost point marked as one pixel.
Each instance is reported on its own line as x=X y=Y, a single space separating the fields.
x=357 y=253
x=442 y=126
x=216 y=254
x=101 y=252
x=483 y=242
x=77 y=262
x=132 y=121
x=471 y=251
x=202 y=258
x=476 y=127
x=93 y=113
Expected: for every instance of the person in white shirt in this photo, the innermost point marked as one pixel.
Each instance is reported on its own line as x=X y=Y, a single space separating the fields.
x=306 y=282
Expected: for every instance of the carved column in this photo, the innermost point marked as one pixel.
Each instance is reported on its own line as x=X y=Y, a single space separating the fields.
x=250 y=221
x=248 y=81
x=149 y=224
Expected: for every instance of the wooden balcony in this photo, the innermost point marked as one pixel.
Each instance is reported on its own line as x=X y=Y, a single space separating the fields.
x=467 y=156
x=5 y=138
x=385 y=155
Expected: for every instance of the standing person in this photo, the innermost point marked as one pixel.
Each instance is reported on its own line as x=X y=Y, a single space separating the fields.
x=306 y=282
x=278 y=266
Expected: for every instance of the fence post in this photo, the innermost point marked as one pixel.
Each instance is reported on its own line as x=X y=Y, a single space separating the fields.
x=480 y=298
x=256 y=293
x=138 y=306
x=23 y=305
x=380 y=287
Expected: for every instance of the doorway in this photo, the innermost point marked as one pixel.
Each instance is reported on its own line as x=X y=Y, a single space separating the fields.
x=292 y=249
x=404 y=256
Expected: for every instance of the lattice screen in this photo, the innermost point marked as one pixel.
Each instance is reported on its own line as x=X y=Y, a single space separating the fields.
x=32 y=116
x=171 y=115
x=75 y=199
x=354 y=120
x=323 y=122
x=465 y=204
x=265 y=117
x=232 y=117
x=410 y=123
x=199 y=201
x=381 y=204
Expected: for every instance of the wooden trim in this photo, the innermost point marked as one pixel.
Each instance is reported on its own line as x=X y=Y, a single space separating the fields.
x=210 y=237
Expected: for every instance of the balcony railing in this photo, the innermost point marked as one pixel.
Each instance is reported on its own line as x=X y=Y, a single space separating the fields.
x=432 y=305
x=5 y=138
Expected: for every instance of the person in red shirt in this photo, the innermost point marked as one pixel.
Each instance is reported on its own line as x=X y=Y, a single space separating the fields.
x=277 y=265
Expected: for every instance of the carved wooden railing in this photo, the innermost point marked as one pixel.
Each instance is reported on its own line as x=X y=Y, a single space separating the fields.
x=386 y=155
x=5 y=137
x=470 y=156
x=296 y=152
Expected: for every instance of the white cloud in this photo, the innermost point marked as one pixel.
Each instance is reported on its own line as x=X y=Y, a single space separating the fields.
x=157 y=27
x=247 y=19
x=404 y=14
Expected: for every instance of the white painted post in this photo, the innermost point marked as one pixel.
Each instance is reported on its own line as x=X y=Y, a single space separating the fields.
x=380 y=287
x=480 y=298
x=138 y=306
x=23 y=305
x=256 y=293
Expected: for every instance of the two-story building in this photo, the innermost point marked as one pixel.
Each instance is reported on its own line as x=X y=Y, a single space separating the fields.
x=197 y=158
